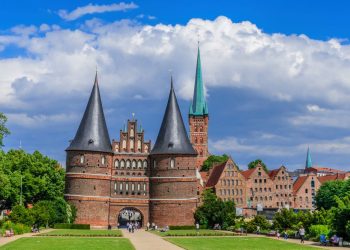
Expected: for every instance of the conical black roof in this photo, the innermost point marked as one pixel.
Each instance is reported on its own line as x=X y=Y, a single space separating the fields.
x=172 y=137
x=92 y=134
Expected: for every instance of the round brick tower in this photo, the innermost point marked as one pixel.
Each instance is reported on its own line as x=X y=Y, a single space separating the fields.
x=173 y=183
x=88 y=164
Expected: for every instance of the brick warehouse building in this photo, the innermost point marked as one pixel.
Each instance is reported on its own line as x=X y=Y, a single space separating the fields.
x=114 y=182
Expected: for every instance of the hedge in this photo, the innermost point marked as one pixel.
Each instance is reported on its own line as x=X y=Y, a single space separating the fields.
x=71 y=226
x=186 y=227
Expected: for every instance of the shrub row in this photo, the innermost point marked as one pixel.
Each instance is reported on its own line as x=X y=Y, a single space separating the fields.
x=71 y=226
x=200 y=234
x=186 y=227
x=16 y=227
x=80 y=235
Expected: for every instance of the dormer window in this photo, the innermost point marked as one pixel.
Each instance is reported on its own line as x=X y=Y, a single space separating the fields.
x=81 y=159
x=172 y=162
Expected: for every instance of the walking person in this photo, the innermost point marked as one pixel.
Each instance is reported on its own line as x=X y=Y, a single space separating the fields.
x=197 y=228
x=302 y=234
x=148 y=225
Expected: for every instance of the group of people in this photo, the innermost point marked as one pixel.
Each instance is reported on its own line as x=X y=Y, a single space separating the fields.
x=132 y=226
x=301 y=233
x=152 y=226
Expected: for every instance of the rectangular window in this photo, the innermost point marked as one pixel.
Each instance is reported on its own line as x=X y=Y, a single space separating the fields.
x=115 y=186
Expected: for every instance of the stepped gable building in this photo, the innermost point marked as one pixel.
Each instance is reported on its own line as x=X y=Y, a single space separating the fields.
x=199 y=117
x=173 y=193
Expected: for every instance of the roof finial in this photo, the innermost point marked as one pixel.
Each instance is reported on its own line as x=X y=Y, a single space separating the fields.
x=198 y=42
x=96 y=78
x=133 y=116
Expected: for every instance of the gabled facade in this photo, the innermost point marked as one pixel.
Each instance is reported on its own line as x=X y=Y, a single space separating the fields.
x=228 y=183
x=304 y=190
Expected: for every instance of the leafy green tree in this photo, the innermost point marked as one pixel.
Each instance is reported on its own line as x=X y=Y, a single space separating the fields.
x=214 y=210
x=341 y=216
x=19 y=214
x=44 y=213
x=253 y=164
x=42 y=178
x=4 y=131
x=212 y=159
x=284 y=219
x=325 y=197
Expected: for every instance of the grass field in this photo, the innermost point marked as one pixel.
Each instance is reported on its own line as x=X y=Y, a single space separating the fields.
x=68 y=243
x=202 y=232
x=83 y=233
x=241 y=243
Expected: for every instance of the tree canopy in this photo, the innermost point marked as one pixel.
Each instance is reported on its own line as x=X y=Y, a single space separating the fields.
x=325 y=197
x=212 y=159
x=214 y=210
x=4 y=131
x=42 y=178
x=253 y=164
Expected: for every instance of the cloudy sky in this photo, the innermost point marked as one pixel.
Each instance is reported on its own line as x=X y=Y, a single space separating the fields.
x=277 y=76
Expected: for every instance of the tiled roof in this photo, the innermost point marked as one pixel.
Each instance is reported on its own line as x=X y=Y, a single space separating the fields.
x=324 y=169
x=273 y=173
x=215 y=174
x=247 y=173
x=332 y=177
x=298 y=183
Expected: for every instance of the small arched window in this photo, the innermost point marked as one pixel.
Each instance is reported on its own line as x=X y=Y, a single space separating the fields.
x=103 y=160
x=144 y=187
x=138 y=187
x=133 y=164
x=81 y=159
x=172 y=162
x=195 y=129
x=131 y=132
x=201 y=129
x=201 y=140
x=195 y=140
x=146 y=148
x=122 y=164
x=145 y=164
x=131 y=144
x=116 y=164
x=128 y=163
x=139 y=145
x=313 y=183
x=116 y=148
x=124 y=144
x=139 y=164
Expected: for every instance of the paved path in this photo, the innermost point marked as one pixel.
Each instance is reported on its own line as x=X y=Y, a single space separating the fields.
x=5 y=240
x=143 y=240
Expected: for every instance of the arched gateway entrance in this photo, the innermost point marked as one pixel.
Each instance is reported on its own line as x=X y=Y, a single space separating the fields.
x=129 y=214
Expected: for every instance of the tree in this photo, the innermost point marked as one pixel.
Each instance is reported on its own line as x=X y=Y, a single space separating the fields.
x=44 y=213
x=284 y=219
x=341 y=216
x=4 y=131
x=325 y=197
x=212 y=159
x=42 y=178
x=19 y=214
x=215 y=211
x=253 y=164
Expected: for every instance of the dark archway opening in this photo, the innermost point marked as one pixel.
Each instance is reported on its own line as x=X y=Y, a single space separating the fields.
x=129 y=215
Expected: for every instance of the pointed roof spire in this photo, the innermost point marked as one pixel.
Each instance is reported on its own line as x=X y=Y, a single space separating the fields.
x=92 y=134
x=172 y=137
x=199 y=105
x=308 y=159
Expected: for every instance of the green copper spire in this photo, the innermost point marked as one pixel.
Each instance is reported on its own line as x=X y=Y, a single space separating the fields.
x=308 y=159
x=199 y=105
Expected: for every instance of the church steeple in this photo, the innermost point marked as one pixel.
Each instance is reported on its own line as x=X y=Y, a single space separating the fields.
x=308 y=159
x=172 y=137
x=199 y=106
x=92 y=134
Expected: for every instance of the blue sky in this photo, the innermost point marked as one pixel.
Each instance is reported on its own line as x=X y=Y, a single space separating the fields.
x=276 y=74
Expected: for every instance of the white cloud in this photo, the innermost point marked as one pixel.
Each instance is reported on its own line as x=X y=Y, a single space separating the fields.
x=134 y=59
x=37 y=121
x=95 y=8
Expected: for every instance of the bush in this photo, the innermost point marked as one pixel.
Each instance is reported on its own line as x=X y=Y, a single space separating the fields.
x=71 y=226
x=186 y=227
x=17 y=228
x=22 y=215
x=316 y=230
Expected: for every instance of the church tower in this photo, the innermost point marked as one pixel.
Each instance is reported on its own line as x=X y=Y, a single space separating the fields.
x=173 y=183
x=199 y=117
x=88 y=164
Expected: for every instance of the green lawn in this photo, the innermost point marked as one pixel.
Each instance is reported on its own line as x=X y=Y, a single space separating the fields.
x=68 y=243
x=241 y=243
x=82 y=233
x=191 y=232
